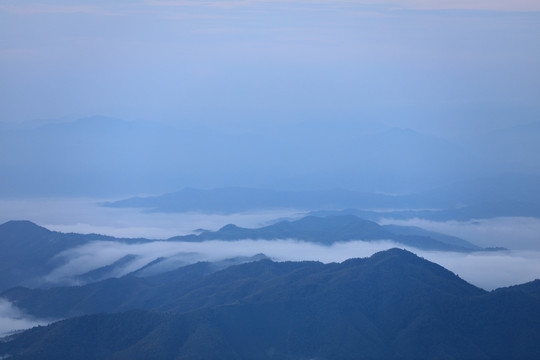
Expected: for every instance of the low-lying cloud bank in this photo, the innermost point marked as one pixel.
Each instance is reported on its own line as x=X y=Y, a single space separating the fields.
x=487 y=270
x=517 y=233
x=13 y=319
x=85 y=216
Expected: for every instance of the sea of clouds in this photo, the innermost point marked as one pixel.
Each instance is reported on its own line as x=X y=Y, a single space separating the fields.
x=487 y=269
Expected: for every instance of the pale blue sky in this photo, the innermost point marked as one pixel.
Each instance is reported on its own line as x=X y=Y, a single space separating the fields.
x=262 y=92
x=177 y=61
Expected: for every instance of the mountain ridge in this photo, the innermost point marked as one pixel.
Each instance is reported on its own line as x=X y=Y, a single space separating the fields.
x=516 y=194
x=330 y=229
x=198 y=282
x=392 y=305
x=28 y=251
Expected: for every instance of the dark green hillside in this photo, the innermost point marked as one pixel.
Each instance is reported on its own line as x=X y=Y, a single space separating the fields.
x=27 y=251
x=87 y=337
x=196 y=286
x=190 y=287
x=393 y=305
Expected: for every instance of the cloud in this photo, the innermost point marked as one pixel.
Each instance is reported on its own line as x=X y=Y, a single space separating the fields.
x=13 y=319
x=516 y=233
x=86 y=216
x=487 y=270
x=491 y=270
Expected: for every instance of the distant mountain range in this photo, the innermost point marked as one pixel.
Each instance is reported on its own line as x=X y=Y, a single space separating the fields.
x=393 y=305
x=505 y=195
x=28 y=252
x=231 y=200
x=330 y=229
x=486 y=210
x=104 y=156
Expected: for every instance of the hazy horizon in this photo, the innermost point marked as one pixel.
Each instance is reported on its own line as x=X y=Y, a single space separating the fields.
x=374 y=96
x=105 y=100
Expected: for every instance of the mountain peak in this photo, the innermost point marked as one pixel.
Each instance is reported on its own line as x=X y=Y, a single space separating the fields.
x=229 y=227
x=395 y=253
x=21 y=225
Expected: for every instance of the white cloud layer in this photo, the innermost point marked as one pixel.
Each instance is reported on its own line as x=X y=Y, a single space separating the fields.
x=86 y=216
x=13 y=319
x=516 y=233
x=487 y=270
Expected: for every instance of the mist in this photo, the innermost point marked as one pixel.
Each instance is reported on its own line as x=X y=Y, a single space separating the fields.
x=106 y=100
x=13 y=319
x=516 y=233
x=85 y=215
x=152 y=97
x=488 y=270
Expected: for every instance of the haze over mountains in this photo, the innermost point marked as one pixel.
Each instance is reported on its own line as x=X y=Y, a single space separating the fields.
x=31 y=254
x=479 y=199
x=48 y=275
x=102 y=156
x=315 y=179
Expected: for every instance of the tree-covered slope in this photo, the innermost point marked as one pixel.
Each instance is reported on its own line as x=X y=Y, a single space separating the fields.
x=28 y=251
x=392 y=305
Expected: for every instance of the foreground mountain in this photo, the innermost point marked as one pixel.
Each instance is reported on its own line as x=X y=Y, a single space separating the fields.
x=198 y=285
x=159 y=291
x=392 y=305
x=29 y=252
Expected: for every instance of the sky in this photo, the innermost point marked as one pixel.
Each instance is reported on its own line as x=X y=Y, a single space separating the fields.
x=431 y=65
x=379 y=96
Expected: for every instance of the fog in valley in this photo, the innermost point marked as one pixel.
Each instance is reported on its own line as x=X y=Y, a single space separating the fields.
x=147 y=120
x=488 y=270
